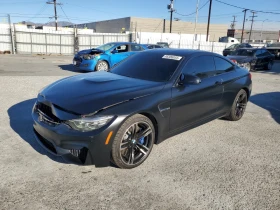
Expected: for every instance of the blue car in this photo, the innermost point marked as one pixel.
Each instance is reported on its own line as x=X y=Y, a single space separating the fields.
x=105 y=56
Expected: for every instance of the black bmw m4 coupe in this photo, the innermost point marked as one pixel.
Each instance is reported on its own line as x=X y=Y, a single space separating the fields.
x=117 y=116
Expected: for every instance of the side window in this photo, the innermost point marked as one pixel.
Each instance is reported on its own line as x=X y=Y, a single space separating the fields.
x=122 y=48
x=202 y=67
x=157 y=46
x=135 y=47
x=222 y=65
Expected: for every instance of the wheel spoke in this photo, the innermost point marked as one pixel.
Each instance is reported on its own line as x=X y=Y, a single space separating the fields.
x=144 y=148
x=144 y=133
x=241 y=98
x=131 y=155
x=141 y=150
x=124 y=145
x=242 y=105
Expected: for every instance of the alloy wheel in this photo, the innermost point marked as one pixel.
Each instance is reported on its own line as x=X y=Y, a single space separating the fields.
x=102 y=66
x=241 y=105
x=136 y=143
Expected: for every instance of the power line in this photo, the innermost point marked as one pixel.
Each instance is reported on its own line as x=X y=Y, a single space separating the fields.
x=193 y=12
x=65 y=13
x=38 y=13
x=275 y=13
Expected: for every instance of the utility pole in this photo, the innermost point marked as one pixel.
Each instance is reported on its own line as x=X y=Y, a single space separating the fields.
x=55 y=13
x=233 y=22
x=209 y=16
x=171 y=10
x=252 y=24
x=196 y=17
x=245 y=10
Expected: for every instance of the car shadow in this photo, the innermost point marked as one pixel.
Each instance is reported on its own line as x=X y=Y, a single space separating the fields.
x=269 y=101
x=22 y=123
x=71 y=67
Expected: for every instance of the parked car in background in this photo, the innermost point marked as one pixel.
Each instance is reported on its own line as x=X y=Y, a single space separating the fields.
x=253 y=58
x=105 y=56
x=151 y=46
x=163 y=44
x=274 y=49
x=119 y=115
x=235 y=47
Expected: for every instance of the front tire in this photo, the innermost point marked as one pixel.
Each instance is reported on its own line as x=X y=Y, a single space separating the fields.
x=102 y=66
x=133 y=142
x=238 y=107
x=269 y=65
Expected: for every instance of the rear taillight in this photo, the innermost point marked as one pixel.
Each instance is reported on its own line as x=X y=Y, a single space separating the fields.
x=250 y=75
x=234 y=61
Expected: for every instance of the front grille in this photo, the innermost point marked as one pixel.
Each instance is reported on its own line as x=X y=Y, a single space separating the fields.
x=78 y=58
x=47 y=110
x=80 y=153
x=45 y=142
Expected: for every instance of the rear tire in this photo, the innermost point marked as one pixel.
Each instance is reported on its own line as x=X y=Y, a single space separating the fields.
x=238 y=107
x=133 y=142
x=269 y=65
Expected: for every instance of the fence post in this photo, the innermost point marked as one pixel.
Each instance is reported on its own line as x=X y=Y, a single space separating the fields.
x=31 y=42
x=180 y=42
x=212 y=46
x=46 y=42
x=103 y=39
x=76 y=41
x=60 y=44
x=11 y=35
x=90 y=41
x=15 y=38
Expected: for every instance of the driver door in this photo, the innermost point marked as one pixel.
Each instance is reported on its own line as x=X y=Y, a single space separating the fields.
x=194 y=102
x=120 y=53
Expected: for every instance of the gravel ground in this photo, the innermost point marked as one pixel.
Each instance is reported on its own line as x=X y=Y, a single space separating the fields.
x=220 y=165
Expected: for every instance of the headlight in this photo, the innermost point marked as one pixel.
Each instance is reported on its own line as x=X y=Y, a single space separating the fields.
x=89 y=123
x=88 y=57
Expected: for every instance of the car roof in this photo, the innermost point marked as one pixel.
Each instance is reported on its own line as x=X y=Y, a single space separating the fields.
x=121 y=43
x=180 y=52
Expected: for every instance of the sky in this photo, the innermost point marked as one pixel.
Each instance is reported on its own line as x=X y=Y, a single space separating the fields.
x=92 y=10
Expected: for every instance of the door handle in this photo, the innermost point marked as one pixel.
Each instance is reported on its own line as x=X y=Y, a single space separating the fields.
x=220 y=82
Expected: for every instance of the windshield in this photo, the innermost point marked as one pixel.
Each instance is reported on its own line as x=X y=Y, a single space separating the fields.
x=244 y=52
x=232 y=46
x=163 y=44
x=106 y=47
x=149 y=66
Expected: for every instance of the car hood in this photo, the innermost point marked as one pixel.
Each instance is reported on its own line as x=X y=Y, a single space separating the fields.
x=89 y=51
x=240 y=59
x=88 y=93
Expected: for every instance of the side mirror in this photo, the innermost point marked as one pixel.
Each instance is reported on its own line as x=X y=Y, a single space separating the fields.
x=114 y=51
x=188 y=79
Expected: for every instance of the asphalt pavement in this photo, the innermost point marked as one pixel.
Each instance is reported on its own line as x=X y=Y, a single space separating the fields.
x=219 y=165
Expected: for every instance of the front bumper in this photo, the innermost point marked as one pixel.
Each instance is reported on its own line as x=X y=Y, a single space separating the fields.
x=85 y=65
x=85 y=148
